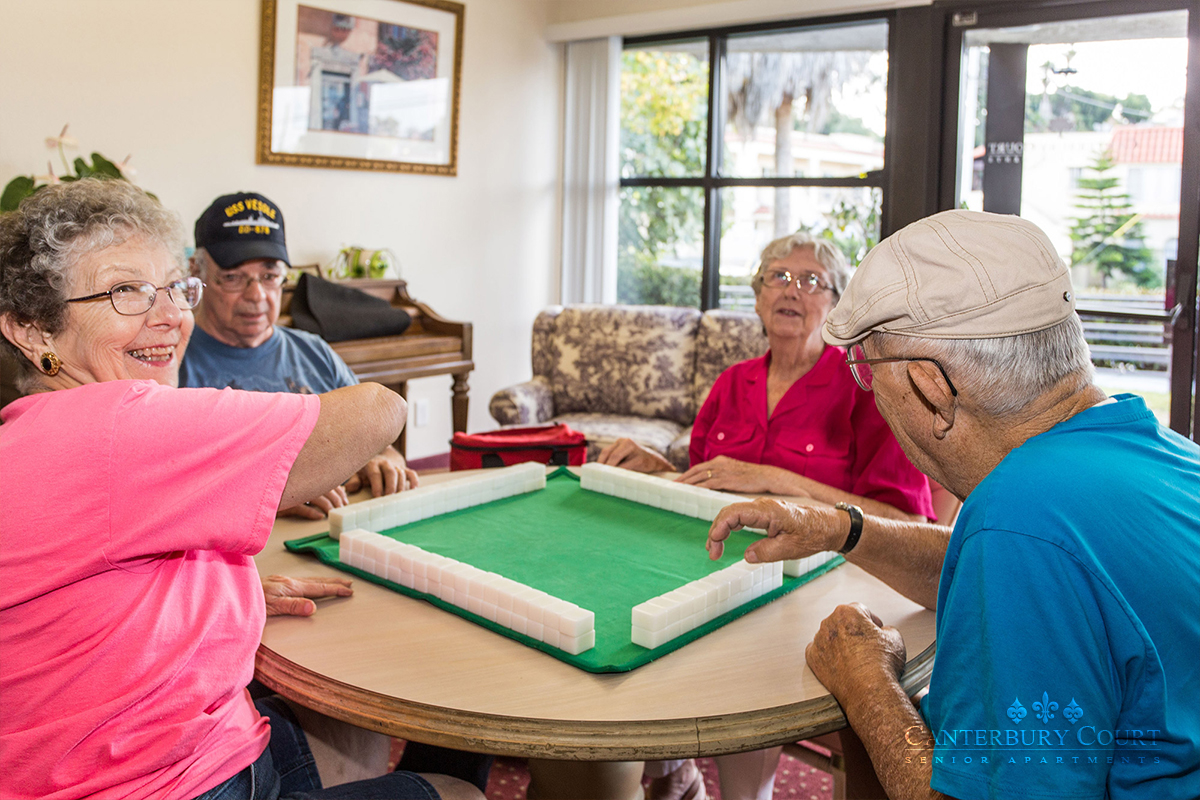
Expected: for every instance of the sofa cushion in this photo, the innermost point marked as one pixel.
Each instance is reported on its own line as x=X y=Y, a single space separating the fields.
x=723 y=338
x=624 y=360
x=604 y=429
x=677 y=451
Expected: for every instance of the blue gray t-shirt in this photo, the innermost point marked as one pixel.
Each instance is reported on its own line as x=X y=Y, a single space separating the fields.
x=289 y=361
x=1068 y=618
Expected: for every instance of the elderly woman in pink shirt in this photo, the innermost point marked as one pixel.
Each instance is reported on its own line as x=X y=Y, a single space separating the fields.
x=792 y=422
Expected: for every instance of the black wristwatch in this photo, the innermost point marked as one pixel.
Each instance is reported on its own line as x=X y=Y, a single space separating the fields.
x=856 y=525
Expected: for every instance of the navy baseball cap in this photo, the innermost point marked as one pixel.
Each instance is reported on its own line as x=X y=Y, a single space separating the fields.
x=239 y=227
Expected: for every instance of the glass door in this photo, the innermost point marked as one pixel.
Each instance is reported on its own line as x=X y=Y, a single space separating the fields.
x=1077 y=123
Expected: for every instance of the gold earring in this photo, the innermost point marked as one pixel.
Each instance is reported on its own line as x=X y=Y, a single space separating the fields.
x=51 y=363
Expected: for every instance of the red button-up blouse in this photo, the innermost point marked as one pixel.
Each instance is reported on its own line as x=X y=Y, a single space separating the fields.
x=825 y=427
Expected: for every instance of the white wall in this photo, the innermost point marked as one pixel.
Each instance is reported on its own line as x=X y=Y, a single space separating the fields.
x=175 y=82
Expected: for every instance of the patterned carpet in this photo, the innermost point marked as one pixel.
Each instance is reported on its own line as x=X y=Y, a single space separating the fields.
x=793 y=780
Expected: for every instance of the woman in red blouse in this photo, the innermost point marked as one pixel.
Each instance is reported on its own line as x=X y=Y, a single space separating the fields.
x=792 y=422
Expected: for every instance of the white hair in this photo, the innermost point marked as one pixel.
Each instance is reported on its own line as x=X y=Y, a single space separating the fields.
x=1003 y=375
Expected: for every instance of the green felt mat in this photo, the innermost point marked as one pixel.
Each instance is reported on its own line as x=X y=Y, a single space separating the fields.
x=602 y=553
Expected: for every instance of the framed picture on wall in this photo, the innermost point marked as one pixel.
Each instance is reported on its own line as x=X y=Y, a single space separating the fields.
x=360 y=84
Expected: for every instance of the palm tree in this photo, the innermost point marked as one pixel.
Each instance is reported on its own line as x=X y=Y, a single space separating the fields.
x=774 y=81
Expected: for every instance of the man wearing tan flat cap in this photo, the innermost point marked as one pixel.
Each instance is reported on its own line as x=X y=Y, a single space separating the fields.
x=1068 y=661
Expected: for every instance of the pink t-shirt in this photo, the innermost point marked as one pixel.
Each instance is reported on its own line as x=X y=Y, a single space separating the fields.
x=824 y=427
x=131 y=608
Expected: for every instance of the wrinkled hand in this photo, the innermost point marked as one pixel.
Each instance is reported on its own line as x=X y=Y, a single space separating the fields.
x=383 y=476
x=854 y=649
x=628 y=454
x=318 y=507
x=792 y=531
x=728 y=473
x=289 y=596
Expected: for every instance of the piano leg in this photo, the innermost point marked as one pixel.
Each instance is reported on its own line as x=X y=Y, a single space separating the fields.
x=458 y=401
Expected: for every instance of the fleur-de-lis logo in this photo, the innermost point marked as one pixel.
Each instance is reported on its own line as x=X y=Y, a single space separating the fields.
x=1017 y=712
x=1045 y=708
x=1073 y=712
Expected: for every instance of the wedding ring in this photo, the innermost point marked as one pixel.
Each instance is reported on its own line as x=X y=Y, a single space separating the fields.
x=710 y=474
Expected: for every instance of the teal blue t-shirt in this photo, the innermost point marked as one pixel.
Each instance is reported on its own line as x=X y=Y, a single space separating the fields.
x=1068 y=621
x=289 y=361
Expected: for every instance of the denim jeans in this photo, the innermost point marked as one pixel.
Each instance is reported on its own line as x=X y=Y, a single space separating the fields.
x=286 y=770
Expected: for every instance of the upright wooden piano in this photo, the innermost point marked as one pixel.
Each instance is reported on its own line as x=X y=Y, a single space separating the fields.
x=431 y=346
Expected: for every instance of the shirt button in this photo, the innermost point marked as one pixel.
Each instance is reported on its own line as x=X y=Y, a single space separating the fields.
x=808 y=449
x=720 y=437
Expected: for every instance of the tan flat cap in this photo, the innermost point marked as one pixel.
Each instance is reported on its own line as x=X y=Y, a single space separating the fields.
x=956 y=275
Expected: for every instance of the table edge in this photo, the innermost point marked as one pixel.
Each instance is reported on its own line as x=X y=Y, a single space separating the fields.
x=584 y=740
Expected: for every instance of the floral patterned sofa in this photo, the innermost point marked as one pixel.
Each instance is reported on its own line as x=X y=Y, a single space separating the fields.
x=636 y=371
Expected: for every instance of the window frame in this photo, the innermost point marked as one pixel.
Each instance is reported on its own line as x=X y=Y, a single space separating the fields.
x=955 y=18
x=711 y=182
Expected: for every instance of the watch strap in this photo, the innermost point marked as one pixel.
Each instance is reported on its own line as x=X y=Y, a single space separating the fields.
x=856 y=525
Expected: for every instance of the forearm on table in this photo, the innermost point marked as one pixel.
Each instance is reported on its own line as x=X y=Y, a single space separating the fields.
x=905 y=555
x=786 y=482
x=896 y=738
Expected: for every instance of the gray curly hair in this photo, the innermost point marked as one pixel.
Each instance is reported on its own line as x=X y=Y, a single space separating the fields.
x=824 y=251
x=43 y=239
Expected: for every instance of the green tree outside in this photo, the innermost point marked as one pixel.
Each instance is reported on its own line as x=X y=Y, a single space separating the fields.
x=1107 y=235
x=664 y=107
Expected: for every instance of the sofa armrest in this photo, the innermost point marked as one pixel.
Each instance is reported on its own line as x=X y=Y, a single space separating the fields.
x=526 y=403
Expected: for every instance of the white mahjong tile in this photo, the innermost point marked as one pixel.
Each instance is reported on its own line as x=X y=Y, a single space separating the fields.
x=475 y=605
x=533 y=630
x=503 y=616
x=490 y=593
x=551 y=636
x=378 y=515
x=576 y=621
x=577 y=644
x=520 y=603
x=649 y=639
x=463 y=578
x=506 y=590
x=647 y=618
x=535 y=609
x=518 y=624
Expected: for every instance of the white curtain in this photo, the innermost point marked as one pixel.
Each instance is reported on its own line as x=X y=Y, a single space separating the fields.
x=590 y=171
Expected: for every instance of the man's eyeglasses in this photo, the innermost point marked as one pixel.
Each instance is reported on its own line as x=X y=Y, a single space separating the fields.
x=137 y=297
x=860 y=366
x=236 y=282
x=806 y=282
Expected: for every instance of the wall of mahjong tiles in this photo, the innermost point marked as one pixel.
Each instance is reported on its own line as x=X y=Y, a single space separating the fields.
x=603 y=553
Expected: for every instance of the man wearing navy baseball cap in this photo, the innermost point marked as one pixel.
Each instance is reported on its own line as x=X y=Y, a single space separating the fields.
x=241 y=255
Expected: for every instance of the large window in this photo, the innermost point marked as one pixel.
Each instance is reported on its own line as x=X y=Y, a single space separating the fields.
x=737 y=137
x=1073 y=118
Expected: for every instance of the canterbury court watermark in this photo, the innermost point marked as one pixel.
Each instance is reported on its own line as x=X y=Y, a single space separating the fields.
x=1052 y=734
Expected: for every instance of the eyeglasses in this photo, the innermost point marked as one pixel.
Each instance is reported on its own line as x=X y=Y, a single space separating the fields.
x=137 y=297
x=860 y=366
x=806 y=282
x=236 y=282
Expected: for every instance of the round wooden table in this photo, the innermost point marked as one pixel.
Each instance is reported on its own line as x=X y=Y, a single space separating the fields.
x=402 y=667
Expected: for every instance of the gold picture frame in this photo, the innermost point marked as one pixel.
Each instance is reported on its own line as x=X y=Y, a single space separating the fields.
x=360 y=84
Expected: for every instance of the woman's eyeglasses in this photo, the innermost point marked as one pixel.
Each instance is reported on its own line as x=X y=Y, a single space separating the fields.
x=137 y=297
x=860 y=366
x=806 y=282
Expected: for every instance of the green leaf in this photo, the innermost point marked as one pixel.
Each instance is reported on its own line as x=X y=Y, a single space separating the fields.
x=17 y=190
x=82 y=170
x=102 y=166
